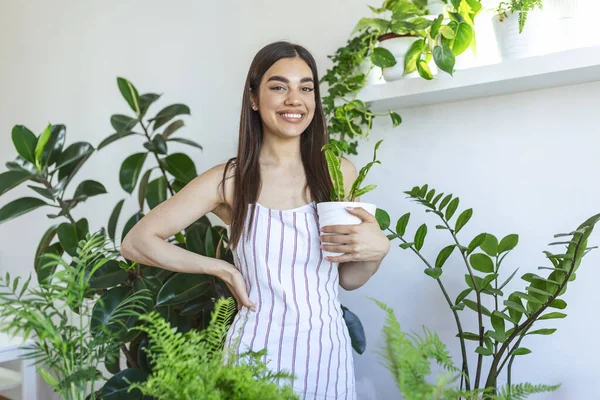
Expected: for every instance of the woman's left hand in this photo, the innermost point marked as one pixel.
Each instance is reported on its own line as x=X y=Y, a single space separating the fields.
x=362 y=242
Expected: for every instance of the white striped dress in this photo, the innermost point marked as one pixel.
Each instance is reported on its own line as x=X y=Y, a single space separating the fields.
x=298 y=319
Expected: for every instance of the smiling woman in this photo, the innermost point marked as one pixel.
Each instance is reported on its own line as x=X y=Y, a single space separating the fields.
x=287 y=292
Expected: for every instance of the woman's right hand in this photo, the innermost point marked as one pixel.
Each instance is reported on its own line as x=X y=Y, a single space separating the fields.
x=237 y=286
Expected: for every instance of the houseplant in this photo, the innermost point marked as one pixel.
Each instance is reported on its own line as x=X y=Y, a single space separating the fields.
x=73 y=333
x=49 y=167
x=501 y=330
x=348 y=117
x=334 y=212
x=514 y=41
x=190 y=366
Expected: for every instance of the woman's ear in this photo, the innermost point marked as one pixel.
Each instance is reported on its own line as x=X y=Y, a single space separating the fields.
x=253 y=101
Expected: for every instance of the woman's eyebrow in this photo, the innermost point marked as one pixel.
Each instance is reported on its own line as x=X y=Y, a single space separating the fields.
x=286 y=80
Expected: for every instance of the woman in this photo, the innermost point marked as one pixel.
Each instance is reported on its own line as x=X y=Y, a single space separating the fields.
x=285 y=289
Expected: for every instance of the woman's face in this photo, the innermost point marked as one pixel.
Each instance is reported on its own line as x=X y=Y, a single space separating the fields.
x=286 y=98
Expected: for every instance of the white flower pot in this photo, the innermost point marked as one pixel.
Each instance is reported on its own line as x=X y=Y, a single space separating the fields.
x=513 y=45
x=398 y=46
x=374 y=76
x=335 y=213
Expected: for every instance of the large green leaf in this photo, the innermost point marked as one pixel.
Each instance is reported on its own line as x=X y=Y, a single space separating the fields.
x=55 y=144
x=383 y=219
x=186 y=141
x=464 y=37
x=151 y=283
x=146 y=101
x=42 y=267
x=412 y=55
x=74 y=152
x=44 y=243
x=106 y=315
x=11 y=179
x=143 y=187
x=443 y=256
x=70 y=234
x=420 y=236
x=172 y=128
x=114 y=218
x=156 y=192
x=482 y=263
x=356 y=330
x=130 y=171
x=181 y=288
x=444 y=58
x=123 y=123
x=463 y=219
x=402 y=224
x=24 y=141
x=180 y=166
x=20 y=164
x=424 y=70
x=508 y=243
x=130 y=94
x=452 y=207
x=383 y=58
x=157 y=145
x=490 y=245
x=168 y=113
x=116 y=388
x=19 y=207
x=89 y=188
x=40 y=145
x=108 y=275
x=115 y=136
x=195 y=235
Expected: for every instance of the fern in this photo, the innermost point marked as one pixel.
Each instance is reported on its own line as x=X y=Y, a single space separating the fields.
x=522 y=390
x=193 y=365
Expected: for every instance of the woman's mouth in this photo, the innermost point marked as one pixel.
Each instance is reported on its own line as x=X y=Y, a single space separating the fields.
x=292 y=118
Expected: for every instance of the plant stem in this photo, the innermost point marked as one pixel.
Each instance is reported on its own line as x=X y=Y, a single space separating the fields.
x=533 y=316
x=463 y=349
x=477 y=296
x=157 y=159
x=129 y=357
x=62 y=204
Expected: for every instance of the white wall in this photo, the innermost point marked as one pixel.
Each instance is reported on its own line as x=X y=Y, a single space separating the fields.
x=526 y=163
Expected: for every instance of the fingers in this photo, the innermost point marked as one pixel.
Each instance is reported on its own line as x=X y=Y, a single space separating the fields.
x=362 y=214
x=336 y=239
x=341 y=229
x=345 y=248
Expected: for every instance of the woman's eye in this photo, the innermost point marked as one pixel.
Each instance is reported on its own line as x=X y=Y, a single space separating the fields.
x=308 y=89
x=277 y=88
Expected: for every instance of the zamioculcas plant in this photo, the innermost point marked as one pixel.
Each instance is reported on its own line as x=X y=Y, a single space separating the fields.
x=513 y=317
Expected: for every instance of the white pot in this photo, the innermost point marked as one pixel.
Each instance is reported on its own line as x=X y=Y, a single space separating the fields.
x=335 y=213
x=398 y=46
x=513 y=45
x=374 y=76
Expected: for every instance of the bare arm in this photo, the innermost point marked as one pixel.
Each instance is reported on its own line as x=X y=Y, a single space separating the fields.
x=146 y=244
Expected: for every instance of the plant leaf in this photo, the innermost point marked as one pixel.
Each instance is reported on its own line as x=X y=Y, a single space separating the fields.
x=19 y=207
x=463 y=219
x=25 y=142
x=130 y=171
x=482 y=263
x=420 y=236
x=443 y=255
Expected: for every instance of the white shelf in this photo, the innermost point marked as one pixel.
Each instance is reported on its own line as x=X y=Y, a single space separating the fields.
x=551 y=70
x=9 y=379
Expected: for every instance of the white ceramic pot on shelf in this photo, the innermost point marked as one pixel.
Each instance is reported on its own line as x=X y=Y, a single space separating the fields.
x=398 y=46
x=335 y=213
x=374 y=77
x=513 y=45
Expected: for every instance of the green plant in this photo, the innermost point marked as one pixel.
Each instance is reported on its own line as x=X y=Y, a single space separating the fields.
x=73 y=334
x=409 y=358
x=185 y=300
x=523 y=7
x=191 y=365
x=333 y=155
x=501 y=329
x=348 y=117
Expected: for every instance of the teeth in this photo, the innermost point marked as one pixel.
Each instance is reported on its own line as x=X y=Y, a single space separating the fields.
x=298 y=116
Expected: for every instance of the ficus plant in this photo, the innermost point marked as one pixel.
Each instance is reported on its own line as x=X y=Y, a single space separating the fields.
x=185 y=300
x=333 y=155
x=504 y=320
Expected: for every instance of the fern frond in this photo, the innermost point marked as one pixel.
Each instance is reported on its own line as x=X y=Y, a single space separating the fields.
x=523 y=390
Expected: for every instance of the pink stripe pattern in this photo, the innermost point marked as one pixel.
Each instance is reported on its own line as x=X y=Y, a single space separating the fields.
x=299 y=319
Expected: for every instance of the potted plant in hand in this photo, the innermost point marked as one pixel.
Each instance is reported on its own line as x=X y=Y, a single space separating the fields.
x=334 y=212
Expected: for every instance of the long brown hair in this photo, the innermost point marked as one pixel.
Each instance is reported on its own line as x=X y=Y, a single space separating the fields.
x=246 y=168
